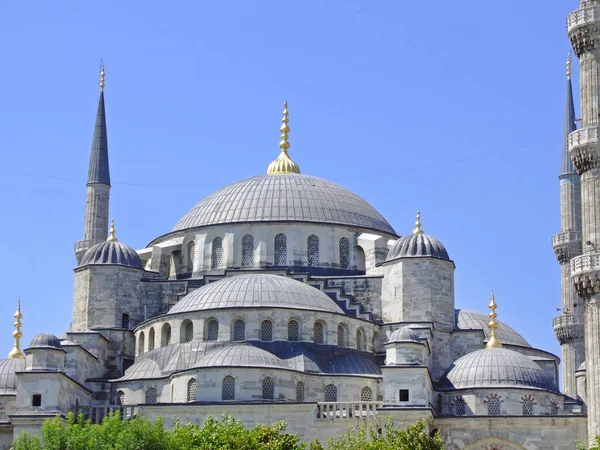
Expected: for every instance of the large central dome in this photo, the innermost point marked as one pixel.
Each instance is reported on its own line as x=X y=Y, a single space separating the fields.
x=281 y=198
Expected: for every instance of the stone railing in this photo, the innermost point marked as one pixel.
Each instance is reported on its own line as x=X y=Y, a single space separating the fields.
x=347 y=410
x=585 y=263
x=95 y=414
x=582 y=17
x=565 y=320
x=568 y=328
x=565 y=237
x=583 y=136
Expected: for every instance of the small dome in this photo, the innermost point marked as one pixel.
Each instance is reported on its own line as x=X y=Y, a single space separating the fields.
x=474 y=320
x=8 y=378
x=145 y=369
x=417 y=246
x=241 y=355
x=112 y=253
x=581 y=367
x=404 y=334
x=45 y=340
x=495 y=368
x=256 y=291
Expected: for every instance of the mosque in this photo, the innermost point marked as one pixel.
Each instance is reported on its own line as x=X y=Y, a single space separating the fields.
x=287 y=297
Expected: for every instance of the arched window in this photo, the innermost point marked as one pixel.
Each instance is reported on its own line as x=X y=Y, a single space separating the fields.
x=247 y=250
x=217 y=253
x=228 y=390
x=312 y=250
x=319 y=333
x=293 y=330
x=300 y=391
x=493 y=405
x=192 y=389
x=268 y=389
x=151 y=396
x=125 y=321
x=344 y=253
x=141 y=343
x=330 y=393
x=212 y=330
x=191 y=256
x=280 y=250
x=120 y=398
x=341 y=335
x=360 y=339
x=528 y=401
x=460 y=406
x=239 y=330
x=266 y=330
x=165 y=336
x=188 y=331
x=151 y=339
x=366 y=394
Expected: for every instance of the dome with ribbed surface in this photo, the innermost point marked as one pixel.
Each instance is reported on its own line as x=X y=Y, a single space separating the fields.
x=241 y=355
x=495 y=368
x=404 y=334
x=144 y=369
x=416 y=246
x=288 y=197
x=473 y=320
x=45 y=340
x=115 y=253
x=8 y=378
x=256 y=291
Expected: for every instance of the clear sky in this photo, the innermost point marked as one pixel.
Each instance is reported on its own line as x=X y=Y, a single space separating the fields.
x=453 y=108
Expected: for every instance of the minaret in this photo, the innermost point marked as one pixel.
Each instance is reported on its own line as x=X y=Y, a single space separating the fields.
x=583 y=27
x=16 y=352
x=568 y=326
x=98 y=184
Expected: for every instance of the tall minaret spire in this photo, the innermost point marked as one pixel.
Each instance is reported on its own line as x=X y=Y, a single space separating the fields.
x=98 y=182
x=568 y=326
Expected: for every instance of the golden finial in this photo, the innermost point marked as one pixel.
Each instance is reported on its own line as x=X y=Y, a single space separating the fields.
x=417 y=229
x=569 y=66
x=112 y=237
x=283 y=163
x=493 y=342
x=16 y=352
x=102 y=75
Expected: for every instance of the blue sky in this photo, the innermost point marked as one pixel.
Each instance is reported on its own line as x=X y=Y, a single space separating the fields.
x=453 y=108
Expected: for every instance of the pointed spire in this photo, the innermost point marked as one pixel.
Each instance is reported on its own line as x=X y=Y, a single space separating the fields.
x=570 y=126
x=112 y=237
x=493 y=342
x=16 y=352
x=417 y=229
x=283 y=163
x=98 y=171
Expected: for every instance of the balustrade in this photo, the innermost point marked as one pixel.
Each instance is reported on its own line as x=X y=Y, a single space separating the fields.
x=347 y=410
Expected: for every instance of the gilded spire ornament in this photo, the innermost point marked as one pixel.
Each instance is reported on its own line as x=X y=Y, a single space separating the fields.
x=284 y=164
x=493 y=342
x=102 y=75
x=16 y=352
x=112 y=237
x=417 y=229
x=569 y=66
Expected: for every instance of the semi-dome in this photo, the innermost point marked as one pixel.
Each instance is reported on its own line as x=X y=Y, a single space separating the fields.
x=8 y=378
x=495 y=368
x=241 y=355
x=473 y=320
x=141 y=370
x=45 y=340
x=284 y=197
x=256 y=291
x=112 y=253
x=404 y=334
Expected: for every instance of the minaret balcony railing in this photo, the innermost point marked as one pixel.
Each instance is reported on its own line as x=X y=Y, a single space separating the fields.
x=566 y=245
x=585 y=264
x=566 y=237
x=585 y=274
x=583 y=148
x=582 y=17
x=568 y=328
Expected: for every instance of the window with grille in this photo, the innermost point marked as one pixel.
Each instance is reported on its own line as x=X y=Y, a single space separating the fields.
x=312 y=250
x=293 y=331
x=341 y=335
x=319 y=333
x=494 y=407
x=460 y=407
x=266 y=330
x=359 y=340
x=553 y=408
x=188 y=331
x=151 y=396
x=141 y=343
x=247 y=250
x=280 y=250
x=191 y=256
x=366 y=394
x=239 y=330
x=300 y=391
x=192 y=389
x=344 y=253
x=268 y=389
x=330 y=393
x=228 y=391
x=120 y=398
x=151 y=339
x=212 y=330
x=528 y=402
x=165 y=335
x=217 y=253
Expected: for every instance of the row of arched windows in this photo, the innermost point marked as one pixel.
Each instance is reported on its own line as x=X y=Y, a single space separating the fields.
x=187 y=335
x=494 y=401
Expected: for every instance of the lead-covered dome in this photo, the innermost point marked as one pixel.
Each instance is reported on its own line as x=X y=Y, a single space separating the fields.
x=404 y=334
x=241 y=355
x=45 y=340
x=256 y=291
x=495 y=368
x=283 y=198
x=473 y=320
x=416 y=246
x=8 y=378
x=112 y=253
